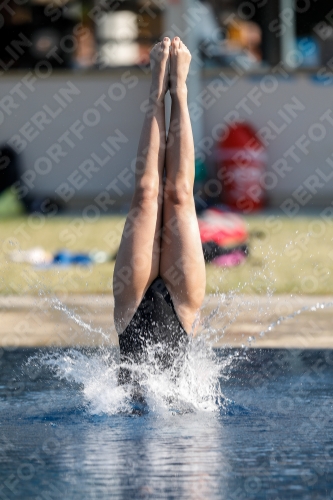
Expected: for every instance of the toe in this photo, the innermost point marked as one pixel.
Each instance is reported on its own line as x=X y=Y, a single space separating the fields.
x=165 y=44
x=166 y=41
x=176 y=42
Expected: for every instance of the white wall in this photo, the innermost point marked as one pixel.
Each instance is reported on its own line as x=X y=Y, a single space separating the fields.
x=298 y=141
x=264 y=99
x=117 y=116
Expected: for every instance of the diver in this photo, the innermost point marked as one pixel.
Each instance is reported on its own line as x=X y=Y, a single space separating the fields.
x=159 y=277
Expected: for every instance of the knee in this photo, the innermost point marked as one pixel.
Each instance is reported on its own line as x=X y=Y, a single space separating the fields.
x=178 y=193
x=146 y=192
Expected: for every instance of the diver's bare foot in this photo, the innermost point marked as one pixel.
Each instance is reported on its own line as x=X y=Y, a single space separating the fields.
x=180 y=58
x=159 y=63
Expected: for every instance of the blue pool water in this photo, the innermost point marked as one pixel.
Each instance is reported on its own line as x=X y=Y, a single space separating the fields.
x=68 y=432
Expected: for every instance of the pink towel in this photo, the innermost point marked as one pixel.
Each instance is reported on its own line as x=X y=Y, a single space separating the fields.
x=233 y=259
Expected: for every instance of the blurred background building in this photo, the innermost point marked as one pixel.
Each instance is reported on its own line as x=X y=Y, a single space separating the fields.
x=75 y=77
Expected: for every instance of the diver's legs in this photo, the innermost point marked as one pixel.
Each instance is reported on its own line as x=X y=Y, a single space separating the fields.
x=138 y=258
x=182 y=264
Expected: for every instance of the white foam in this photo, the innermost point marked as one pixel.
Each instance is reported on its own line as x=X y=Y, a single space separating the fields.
x=195 y=387
x=191 y=384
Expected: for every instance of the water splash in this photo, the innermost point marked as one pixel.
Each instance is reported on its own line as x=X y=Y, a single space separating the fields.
x=190 y=386
x=196 y=387
x=97 y=375
x=282 y=319
x=59 y=306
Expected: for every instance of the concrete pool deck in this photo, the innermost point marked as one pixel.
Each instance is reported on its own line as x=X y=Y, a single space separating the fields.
x=86 y=320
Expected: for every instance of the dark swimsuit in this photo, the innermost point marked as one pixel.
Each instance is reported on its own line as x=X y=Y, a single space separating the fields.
x=154 y=322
